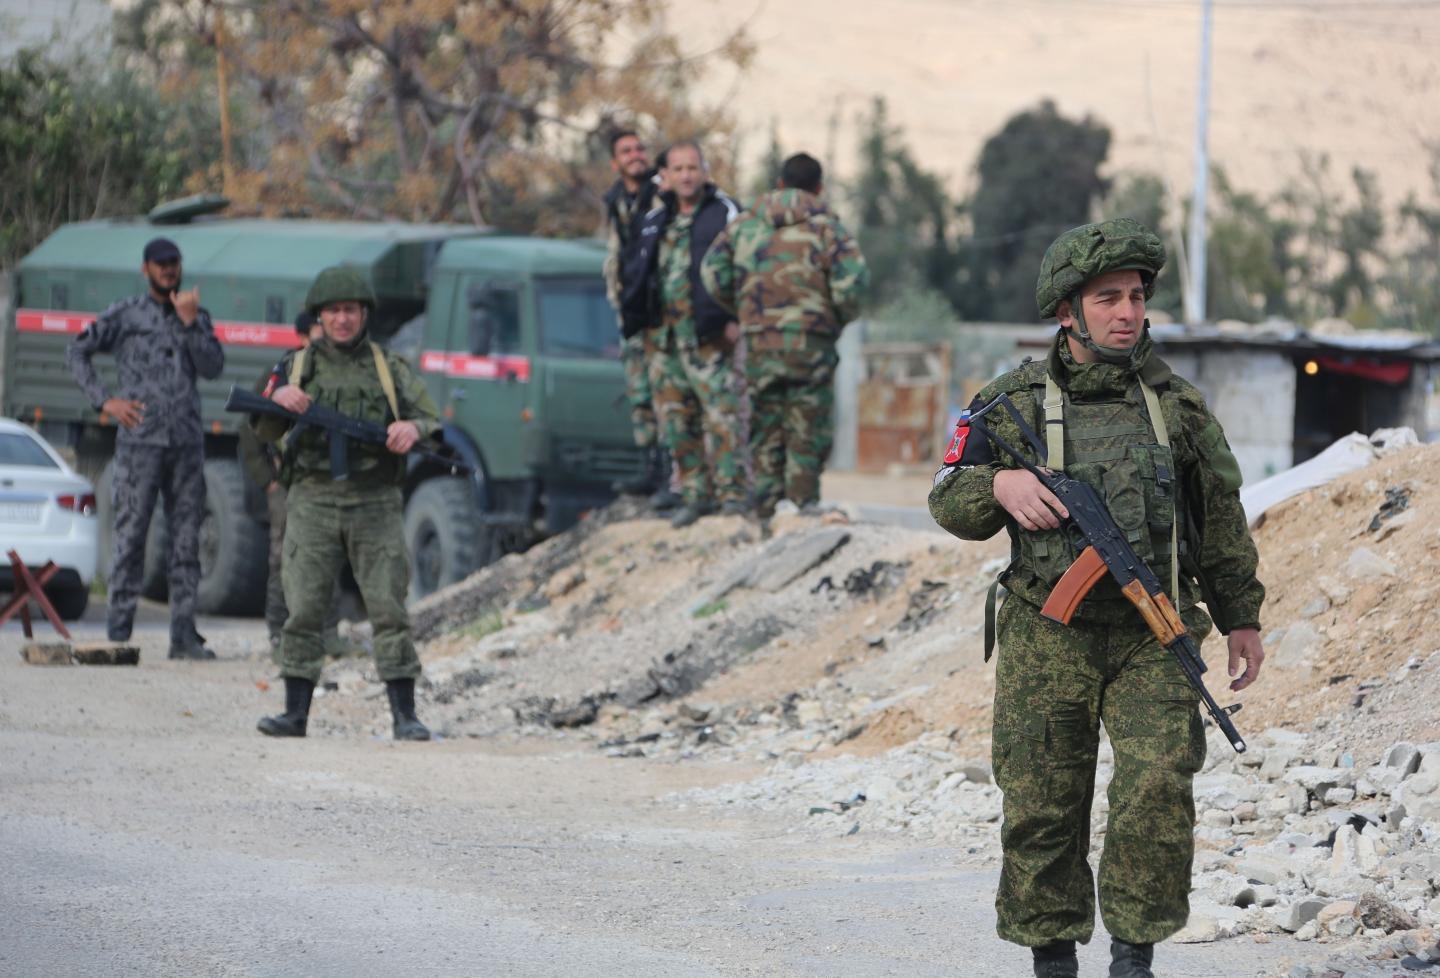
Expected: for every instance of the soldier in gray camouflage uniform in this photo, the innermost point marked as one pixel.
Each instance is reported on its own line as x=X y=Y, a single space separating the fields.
x=162 y=341
x=1118 y=419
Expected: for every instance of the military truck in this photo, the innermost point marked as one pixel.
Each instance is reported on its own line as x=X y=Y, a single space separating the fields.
x=512 y=334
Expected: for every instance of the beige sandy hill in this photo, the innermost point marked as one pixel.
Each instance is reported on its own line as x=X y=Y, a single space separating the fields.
x=1356 y=80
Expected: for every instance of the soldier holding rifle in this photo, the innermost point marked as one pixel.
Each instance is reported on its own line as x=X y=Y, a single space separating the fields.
x=359 y=516
x=1115 y=417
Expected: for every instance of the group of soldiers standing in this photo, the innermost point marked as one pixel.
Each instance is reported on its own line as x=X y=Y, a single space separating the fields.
x=729 y=320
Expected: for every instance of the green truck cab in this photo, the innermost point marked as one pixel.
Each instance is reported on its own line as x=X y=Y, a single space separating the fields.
x=512 y=334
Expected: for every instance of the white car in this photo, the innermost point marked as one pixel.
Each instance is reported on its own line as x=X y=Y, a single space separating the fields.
x=47 y=512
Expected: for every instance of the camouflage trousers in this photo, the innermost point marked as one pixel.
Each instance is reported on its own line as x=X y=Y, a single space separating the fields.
x=1054 y=686
x=143 y=473
x=637 y=391
x=275 y=609
x=697 y=400
x=325 y=525
x=792 y=396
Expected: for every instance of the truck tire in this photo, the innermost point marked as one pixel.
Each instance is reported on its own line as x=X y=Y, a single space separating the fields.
x=444 y=536
x=234 y=548
x=154 y=582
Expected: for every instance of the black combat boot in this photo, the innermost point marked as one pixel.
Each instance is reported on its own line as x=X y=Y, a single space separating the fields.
x=1056 y=960
x=1130 y=960
x=402 y=710
x=664 y=499
x=291 y=723
x=190 y=647
x=691 y=512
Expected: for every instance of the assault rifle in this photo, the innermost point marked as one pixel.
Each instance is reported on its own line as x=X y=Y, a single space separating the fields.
x=342 y=430
x=1106 y=550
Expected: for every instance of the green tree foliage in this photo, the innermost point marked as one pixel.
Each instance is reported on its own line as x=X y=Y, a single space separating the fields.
x=1038 y=176
x=1413 y=276
x=1305 y=253
x=905 y=224
x=1142 y=196
x=80 y=142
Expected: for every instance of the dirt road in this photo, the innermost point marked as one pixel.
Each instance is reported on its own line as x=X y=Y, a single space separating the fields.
x=148 y=830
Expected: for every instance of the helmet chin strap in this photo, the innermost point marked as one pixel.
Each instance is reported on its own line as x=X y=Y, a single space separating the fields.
x=1107 y=354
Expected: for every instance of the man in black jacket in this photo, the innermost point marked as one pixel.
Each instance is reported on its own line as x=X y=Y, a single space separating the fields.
x=689 y=337
x=626 y=204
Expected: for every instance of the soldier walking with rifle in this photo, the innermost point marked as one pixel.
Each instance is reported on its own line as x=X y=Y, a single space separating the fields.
x=344 y=495
x=1102 y=649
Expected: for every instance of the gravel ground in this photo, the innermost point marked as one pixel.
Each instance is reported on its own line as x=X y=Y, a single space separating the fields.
x=149 y=831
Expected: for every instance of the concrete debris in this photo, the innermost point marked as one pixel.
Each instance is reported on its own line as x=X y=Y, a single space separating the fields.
x=106 y=654
x=46 y=653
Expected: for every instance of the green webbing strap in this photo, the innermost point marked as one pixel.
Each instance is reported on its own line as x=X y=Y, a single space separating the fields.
x=387 y=380
x=1054 y=426
x=990 y=618
x=1157 y=421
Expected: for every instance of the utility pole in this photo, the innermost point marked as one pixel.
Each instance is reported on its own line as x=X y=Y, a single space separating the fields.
x=1195 y=294
x=222 y=83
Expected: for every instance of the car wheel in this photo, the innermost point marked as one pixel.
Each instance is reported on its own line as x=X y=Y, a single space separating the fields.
x=69 y=602
x=444 y=535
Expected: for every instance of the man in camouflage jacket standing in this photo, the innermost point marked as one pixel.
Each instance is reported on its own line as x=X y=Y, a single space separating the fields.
x=162 y=341
x=360 y=517
x=793 y=276
x=689 y=339
x=1114 y=416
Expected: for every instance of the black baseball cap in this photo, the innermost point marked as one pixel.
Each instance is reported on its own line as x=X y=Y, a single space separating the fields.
x=161 y=250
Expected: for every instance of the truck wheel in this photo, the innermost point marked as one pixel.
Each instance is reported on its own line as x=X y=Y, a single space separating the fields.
x=444 y=535
x=155 y=580
x=234 y=549
x=69 y=602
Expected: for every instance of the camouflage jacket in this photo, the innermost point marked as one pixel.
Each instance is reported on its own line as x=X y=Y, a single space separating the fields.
x=158 y=359
x=788 y=264
x=345 y=378
x=1215 y=540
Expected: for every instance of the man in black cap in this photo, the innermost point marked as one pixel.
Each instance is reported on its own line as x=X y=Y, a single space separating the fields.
x=162 y=341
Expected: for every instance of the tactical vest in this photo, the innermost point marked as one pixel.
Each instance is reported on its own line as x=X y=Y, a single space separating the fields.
x=1117 y=445
x=355 y=384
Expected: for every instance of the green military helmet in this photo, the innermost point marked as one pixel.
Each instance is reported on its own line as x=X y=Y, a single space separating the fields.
x=339 y=283
x=1083 y=253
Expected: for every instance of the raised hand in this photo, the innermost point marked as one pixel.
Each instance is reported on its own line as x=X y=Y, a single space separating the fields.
x=187 y=305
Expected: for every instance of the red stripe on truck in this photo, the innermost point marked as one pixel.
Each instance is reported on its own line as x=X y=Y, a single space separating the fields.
x=466 y=366
x=234 y=334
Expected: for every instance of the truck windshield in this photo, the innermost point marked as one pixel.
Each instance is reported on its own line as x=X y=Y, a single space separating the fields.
x=576 y=320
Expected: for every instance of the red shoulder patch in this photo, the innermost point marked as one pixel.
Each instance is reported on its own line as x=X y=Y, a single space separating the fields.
x=957 y=442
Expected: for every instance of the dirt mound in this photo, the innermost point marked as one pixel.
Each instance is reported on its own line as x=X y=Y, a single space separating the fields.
x=852 y=638
x=1352 y=625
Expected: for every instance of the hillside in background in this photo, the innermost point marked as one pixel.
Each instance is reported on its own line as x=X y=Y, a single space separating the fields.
x=1352 y=79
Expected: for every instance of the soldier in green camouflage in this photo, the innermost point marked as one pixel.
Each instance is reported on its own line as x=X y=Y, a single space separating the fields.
x=793 y=277
x=689 y=339
x=361 y=517
x=1116 y=417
